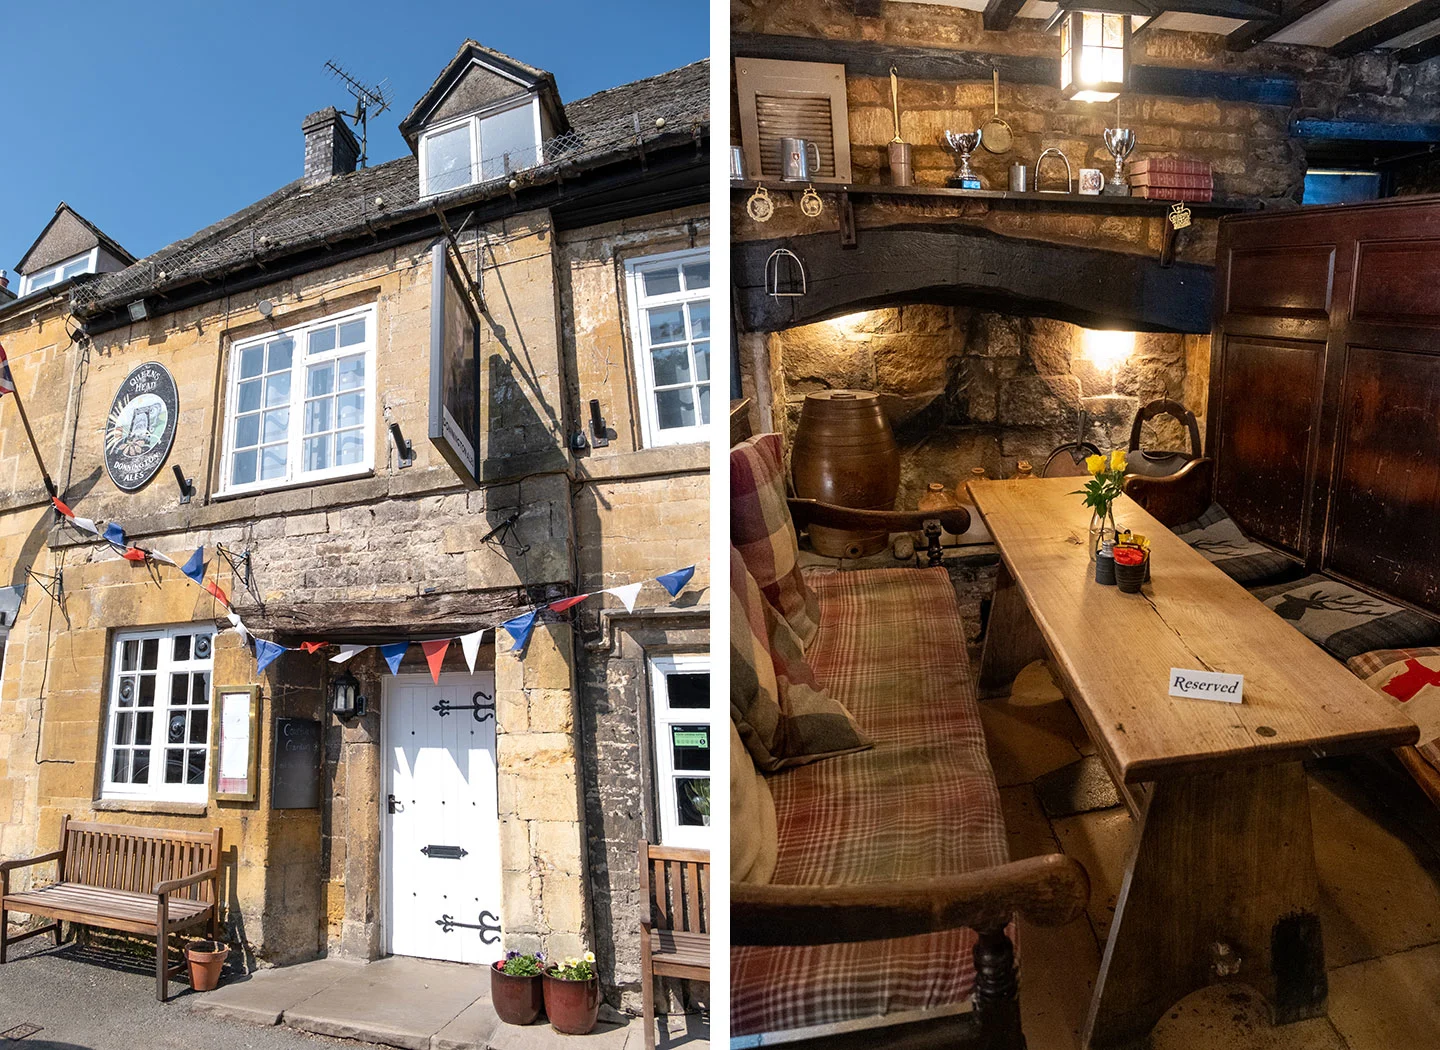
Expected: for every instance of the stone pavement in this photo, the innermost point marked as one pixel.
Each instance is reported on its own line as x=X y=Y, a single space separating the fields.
x=417 y=1004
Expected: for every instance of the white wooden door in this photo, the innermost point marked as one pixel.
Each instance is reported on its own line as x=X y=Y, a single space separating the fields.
x=442 y=829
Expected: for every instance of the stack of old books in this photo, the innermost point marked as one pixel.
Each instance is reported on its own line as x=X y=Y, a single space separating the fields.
x=1172 y=179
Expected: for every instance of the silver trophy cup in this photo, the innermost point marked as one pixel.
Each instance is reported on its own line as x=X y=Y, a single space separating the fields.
x=1121 y=143
x=964 y=143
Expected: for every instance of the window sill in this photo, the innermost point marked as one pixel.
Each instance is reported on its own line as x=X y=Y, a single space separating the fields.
x=305 y=483
x=140 y=805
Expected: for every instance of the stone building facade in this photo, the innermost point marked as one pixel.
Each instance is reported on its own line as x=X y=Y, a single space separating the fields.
x=367 y=533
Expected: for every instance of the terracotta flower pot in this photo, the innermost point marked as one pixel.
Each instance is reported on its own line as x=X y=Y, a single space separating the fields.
x=206 y=959
x=517 y=1000
x=572 y=1006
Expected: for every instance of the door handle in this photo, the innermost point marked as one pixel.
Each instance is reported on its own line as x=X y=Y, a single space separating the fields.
x=394 y=805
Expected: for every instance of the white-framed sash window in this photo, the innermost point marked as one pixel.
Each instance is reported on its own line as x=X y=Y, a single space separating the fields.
x=481 y=147
x=670 y=329
x=300 y=404
x=157 y=739
x=61 y=271
x=680 y=707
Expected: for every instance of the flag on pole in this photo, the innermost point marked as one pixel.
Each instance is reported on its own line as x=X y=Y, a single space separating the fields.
x=7 y=381
x=675 y=582
x=470 y=645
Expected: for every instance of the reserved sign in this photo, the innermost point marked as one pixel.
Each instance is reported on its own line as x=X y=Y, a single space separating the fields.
x=1207 y=685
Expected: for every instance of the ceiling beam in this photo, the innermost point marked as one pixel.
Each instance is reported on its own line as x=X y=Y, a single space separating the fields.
x=1254 y=32
x=1401 y=22
x=1364 y=131
x=1427 y=48
x=1000 y=13
x=1222 y=8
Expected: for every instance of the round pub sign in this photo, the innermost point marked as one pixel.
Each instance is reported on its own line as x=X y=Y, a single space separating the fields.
x=141 y=426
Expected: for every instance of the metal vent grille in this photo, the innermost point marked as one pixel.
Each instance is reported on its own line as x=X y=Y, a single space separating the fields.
x=794 y=116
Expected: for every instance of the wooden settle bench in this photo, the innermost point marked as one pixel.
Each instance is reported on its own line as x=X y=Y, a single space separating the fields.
x=151 y=881
x=675 y=935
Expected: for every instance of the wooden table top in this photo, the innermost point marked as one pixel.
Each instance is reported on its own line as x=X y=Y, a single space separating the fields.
x=1114 y=650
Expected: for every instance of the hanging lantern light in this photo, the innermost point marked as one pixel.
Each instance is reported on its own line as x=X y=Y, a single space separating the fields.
x=1094 y=55
x=345 y=698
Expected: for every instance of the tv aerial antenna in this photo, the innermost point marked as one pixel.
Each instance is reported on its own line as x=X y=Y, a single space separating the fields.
x=369 y=101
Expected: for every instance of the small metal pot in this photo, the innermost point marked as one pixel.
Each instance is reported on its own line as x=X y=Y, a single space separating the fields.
x=795 y=159
x=1019 y=178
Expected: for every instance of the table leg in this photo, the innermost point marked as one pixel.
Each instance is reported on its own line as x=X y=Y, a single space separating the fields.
x=1012 y=641
x=1218 y=858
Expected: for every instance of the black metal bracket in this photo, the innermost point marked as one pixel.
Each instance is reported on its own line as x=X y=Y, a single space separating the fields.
x=445 y=852
x=187 y=485
x=479 y=711
x=505 y=531
x=599 y=432
x=54 y=585
x=239 y=563
x=489 y=926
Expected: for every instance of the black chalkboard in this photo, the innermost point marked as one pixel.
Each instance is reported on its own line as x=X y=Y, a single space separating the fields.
x=297 y=764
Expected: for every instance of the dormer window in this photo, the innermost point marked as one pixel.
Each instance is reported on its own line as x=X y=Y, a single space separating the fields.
x=62 y=271
x=481 y=147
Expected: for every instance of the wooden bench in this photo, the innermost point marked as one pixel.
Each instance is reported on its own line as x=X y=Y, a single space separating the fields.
x=136 y=880
x=675 y=937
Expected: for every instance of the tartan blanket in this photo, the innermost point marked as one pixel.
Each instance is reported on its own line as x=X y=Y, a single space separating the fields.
x=891 y=648
x=1410 y=679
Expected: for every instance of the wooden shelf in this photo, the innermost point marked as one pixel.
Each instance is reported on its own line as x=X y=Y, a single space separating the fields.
x=1055 y=199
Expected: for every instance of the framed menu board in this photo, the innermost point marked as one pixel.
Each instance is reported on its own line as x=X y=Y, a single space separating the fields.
x=235 y=743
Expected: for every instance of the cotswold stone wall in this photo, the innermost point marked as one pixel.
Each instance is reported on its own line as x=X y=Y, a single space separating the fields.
x=966 y=388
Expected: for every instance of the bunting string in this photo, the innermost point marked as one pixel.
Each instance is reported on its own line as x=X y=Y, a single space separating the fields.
x=519 y=627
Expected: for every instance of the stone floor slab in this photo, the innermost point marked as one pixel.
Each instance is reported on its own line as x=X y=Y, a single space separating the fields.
x=1233 y=1016
x=264 y=996
x=396 y=1001
x=606 y=1036
x=1389 y=1003
x=473 y=1027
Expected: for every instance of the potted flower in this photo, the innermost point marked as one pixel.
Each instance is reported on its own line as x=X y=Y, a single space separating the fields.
x=1132 y=564
x=205 y=959
x=1107 y=481
x=572 y=995
x=515 y=987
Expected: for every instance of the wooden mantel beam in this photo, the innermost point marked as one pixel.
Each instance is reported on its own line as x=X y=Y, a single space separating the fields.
x=1000 y=13
x=874 y=59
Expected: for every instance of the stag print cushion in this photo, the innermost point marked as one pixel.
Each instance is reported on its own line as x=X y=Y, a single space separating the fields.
x=1411 y=679
x=1345 y=621
x=1215 y=535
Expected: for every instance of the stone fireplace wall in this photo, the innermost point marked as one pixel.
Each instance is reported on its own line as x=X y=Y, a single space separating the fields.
x=965 y=388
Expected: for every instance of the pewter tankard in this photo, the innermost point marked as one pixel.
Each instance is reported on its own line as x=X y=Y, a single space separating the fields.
x=795 y=163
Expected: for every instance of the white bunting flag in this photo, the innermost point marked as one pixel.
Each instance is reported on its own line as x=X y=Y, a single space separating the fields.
x=347 y=651
x=626 y=594
x=234 y=619
x=470 y=643
x=86 y=525
x=162 y=557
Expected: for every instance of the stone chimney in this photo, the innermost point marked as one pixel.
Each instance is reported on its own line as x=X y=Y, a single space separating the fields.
x=330 y=146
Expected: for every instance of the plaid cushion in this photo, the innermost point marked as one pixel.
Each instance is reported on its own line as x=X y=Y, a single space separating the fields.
x=761 y=528
x=891 y=647
x=1410 y=678
x=783 y=714
x=1345 y=621
x=1215 y=535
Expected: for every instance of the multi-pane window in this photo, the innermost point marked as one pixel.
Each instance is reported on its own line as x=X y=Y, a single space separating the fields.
x=158 y=736
x=301 y=404
x=33 y=282
x=504 y=141
x=680 y=701
x=670 y=316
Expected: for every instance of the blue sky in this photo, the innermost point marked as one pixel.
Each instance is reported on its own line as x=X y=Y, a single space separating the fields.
x=156 y=119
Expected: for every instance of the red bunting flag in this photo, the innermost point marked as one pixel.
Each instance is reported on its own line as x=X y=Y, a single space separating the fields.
x=61 y=507
x=217 y=592
x=435 y=656
x=313 y=647
x=567 y=603
x=133 y=554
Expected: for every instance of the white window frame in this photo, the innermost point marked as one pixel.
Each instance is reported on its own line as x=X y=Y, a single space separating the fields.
x=651 y=434
x=662 y=717
x=294 y=475
x=157 y=790
x=473 y=121
x=31 y=282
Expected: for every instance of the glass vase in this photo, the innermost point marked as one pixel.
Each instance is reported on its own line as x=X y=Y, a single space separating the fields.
x=1102 y=530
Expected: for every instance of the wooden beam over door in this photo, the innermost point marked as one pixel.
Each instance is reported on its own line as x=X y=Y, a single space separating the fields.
x=1401 y=22
x=1000 y=13
x=1426 y=49
x=1261 y=29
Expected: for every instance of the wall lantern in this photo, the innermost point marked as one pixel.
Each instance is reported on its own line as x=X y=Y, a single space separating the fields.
x=1094 y=55
x=345 y=698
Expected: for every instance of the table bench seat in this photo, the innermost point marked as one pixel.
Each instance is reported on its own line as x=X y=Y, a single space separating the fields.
x=118 y=909
x=674 y=950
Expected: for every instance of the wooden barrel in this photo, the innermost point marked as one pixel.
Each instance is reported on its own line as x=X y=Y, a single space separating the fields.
x=845 y=453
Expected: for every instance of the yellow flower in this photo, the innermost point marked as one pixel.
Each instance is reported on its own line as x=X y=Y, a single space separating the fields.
x=1094 y=464
x=590 y=957
x=1117 y=459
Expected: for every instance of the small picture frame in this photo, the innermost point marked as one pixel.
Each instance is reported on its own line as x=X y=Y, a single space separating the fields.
x=1092 y=181
x=235 y=743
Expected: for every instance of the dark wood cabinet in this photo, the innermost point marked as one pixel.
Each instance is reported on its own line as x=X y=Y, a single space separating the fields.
x=1325 y=389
